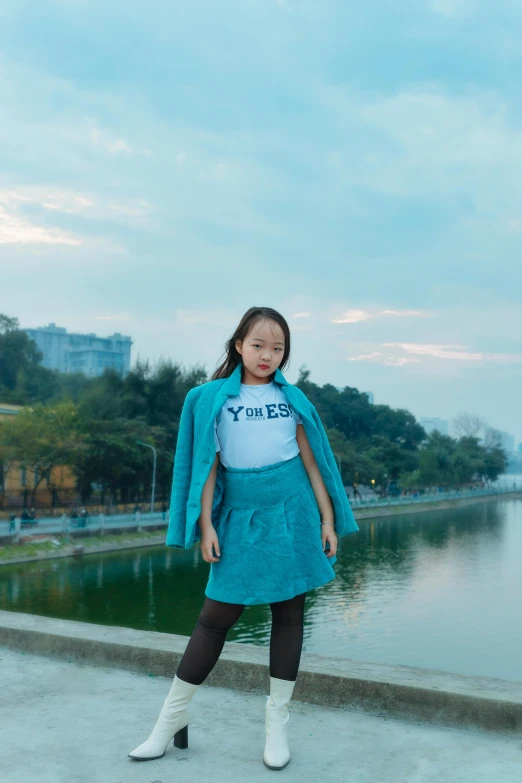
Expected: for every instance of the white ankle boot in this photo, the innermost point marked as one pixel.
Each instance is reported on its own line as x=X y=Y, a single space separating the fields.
x=277 y=755
x=172 y=722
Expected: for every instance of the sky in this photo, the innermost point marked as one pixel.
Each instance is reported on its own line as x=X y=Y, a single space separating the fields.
x=356 y=166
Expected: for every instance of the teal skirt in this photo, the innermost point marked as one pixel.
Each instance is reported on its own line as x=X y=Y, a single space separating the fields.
x=269 y=532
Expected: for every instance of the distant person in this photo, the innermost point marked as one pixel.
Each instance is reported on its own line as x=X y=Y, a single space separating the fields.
x=163 y=510
x=12 y=523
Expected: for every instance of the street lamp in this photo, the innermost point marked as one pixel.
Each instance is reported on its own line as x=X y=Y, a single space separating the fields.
x=141 y=443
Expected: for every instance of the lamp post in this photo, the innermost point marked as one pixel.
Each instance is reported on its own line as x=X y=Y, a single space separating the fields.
x=141 y=443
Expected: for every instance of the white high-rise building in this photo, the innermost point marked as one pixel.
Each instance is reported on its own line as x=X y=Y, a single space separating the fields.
x=431 y=423
x=507 y=441
x=71 y=352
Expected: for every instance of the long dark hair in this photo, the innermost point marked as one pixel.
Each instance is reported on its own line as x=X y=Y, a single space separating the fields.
x=249 y=320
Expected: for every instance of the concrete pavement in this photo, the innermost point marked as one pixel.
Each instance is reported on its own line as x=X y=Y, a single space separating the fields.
x=70 y=722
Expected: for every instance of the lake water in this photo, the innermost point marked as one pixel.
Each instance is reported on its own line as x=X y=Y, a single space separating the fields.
x=439 y=589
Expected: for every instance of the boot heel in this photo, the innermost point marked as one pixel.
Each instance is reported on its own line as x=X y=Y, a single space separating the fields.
x=181 y=738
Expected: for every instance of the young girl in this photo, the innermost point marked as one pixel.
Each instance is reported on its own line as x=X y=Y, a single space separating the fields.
x=257 y=484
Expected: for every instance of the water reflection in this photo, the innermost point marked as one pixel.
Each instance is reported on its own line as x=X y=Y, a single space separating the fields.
x=439 y=589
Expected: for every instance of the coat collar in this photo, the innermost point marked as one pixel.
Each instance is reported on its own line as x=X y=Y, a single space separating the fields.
x=231 y=387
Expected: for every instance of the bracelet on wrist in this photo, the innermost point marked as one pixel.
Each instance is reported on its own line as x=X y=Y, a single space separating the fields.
x=327 y=523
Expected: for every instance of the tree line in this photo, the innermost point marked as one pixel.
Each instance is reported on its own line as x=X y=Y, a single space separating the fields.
x=91 y=425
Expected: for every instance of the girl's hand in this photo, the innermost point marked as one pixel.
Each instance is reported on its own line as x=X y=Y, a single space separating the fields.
x=328 y=534
x=208 y=540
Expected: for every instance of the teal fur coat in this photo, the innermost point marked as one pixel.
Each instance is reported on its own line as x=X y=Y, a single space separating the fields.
x=195 y=453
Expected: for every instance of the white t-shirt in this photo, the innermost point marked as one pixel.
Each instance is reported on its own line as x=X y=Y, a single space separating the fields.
x=256 y=428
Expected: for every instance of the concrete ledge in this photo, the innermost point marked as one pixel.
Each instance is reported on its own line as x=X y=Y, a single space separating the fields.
x=397 y=691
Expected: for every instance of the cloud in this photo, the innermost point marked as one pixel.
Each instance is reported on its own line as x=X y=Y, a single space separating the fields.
x=60 y=200
x=450 y=8
x=17 y=230
x=405 y=313
x=79 y=204
x=113 y=145
x=118 y=145
x=450 y=352
x=24 y=218
x=457 y=352
x=116 y=317
x=380 y=358
x=352 y=317
x=356 y=316
x=141 y=209
x=400 y=361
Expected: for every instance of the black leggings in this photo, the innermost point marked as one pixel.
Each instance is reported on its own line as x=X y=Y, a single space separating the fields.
x=216 y=618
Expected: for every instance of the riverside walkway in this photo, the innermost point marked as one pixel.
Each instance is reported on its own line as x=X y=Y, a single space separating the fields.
x=65 y=720
x=375 y=506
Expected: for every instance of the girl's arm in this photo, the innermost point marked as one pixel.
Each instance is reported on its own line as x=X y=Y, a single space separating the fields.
x=314 y=474
x=207 y=497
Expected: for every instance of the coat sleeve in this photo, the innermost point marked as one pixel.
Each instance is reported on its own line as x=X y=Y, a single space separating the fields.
x=177 y=527
x=344 y=521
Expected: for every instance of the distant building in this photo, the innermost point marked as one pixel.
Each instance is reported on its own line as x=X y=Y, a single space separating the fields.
x=431 y=423
x=507 y=441
x=87 y=353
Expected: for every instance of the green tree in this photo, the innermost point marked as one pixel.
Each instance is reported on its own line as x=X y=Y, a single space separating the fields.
x=40 y=439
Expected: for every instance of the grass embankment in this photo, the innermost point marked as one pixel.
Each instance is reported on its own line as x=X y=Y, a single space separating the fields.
x=58 y=545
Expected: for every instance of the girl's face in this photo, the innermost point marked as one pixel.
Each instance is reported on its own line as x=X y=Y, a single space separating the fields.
x=261 y=351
